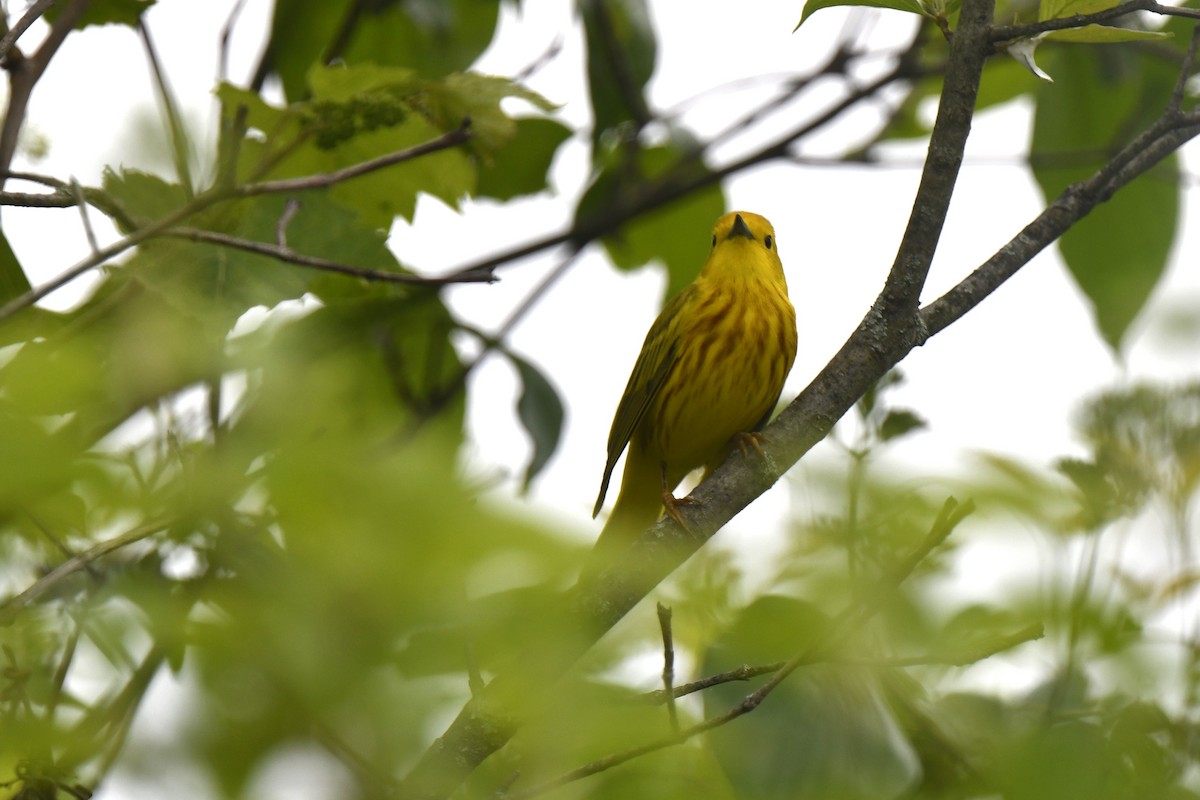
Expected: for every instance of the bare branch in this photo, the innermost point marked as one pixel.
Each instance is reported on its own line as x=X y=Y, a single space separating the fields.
x=31 y=15
x=24 y=73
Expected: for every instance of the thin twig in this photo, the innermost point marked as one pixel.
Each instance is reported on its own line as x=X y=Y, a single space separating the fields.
x=14 y=605
x=673 y=184
x=1004 y=33
x=227 y=36
x=290 y=209
x=214 y=196
x=23 y=77
x=845 y=624
x=950 y=658
x=1175 y=104
x=31 y=15
x=286 y=254
x=447 y=140
x=179 y=141
x=668 y=673
x=81 y=204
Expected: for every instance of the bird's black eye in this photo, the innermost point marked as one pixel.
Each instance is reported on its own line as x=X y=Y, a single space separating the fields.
x=767 y=241
x=714 y=240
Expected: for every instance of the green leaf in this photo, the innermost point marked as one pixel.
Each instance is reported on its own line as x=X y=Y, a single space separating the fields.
x=106 y=12
x=1100 y=99
x=541 y=413
x=217 y=284
x=1103 y=34
x=13 y=282
x=900 y=422
x=838 y=705
x=676 y=234
x=908 y=6
x=144 y=197
x=1057 y=9
x=522 y=166
x=621 y=51
x=473 y=96
x=431 y=37
x=354 y=117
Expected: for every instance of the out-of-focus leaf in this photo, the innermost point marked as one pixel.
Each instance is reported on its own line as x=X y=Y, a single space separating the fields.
x=1103 y=34
x=832 y=734
x=908 y=6
x=13 y=282
x=899 y=422
x=106 y=12
x=522 y=166
x=1102 y=97
x=621 y=50
x=541 y=413
x=1056 y=9
x=431 y=37
x=144 y=197
x=676 y=234
x=473 y=96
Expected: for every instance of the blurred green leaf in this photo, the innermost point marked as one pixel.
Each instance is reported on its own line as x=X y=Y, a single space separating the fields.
x=144 y=197
x=1055 y=9
x=676 y=234
x=13 y=282
x=106 y=12
x=908 y=6
x=1100 y=99
x=522 y=167
x=621 y=51
x=831 y=734
x=900 y=422
x=541 y=413
x=1103 y=34
x=432 y=38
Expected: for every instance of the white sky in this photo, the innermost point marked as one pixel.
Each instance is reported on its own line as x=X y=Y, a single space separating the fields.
x=1006 y=379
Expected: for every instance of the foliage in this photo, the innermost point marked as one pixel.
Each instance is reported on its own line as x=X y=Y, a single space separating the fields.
x=235 y=505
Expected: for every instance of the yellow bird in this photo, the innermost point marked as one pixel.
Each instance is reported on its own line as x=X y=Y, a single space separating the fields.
x=710 y=372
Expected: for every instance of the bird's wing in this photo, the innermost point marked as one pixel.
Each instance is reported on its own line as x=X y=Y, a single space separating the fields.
x=654 y=363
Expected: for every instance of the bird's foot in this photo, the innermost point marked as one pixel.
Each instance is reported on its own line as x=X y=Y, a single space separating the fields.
x=671 y=506
x=753 y=440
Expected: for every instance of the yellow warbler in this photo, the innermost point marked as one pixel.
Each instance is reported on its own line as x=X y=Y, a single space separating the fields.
x=711 y=370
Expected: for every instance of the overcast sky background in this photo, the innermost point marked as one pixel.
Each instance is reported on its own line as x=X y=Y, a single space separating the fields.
x=1005 y=379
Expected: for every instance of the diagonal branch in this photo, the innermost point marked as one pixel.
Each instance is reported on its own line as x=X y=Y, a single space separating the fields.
x=290 y=256
x=888 y=332
x=24 y=73
x=1005 y=33
x=211 y=197
x=444 y=142
x=844 y=625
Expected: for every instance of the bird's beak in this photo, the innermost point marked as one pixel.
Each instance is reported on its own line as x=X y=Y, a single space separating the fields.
x=740 y=228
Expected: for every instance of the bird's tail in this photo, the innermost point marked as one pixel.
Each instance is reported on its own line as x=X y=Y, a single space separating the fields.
x=638 y=506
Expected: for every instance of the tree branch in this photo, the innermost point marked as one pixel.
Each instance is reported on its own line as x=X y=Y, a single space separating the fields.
x=24 y=73
x=845 y=624
x=1004 y=33
x=15 y=604
x=211 y=197
x=290 y=256
x=447 y=140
